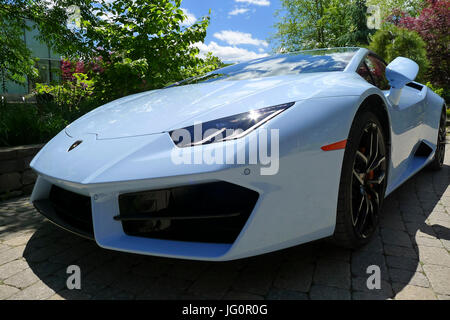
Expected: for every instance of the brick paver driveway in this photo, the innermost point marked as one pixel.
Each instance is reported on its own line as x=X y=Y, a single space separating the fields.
x=411 y=248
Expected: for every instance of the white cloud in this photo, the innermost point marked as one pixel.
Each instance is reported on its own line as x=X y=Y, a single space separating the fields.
x=227 y=53
x=264 y=3
x=237 y=11
x=237 y=37
x=191 y=18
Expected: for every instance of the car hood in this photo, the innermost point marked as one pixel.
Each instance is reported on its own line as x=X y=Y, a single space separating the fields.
x=167 y=109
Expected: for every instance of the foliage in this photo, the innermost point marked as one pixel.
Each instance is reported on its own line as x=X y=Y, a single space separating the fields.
x=305 y=24
x=388 y=7
x=390 y=42
x=102 y=82
x=207 y=64
x=443 y=92
x=91 y=68
x=152 y=31
x=15 y=57
x=22 y=124
x=114 y=78
x=129 y=35
x=433 y=25
x=51 y=17
x=359 y=32
x=68 y=94
x=121 y=76
x=133 y=30
x=439 y=91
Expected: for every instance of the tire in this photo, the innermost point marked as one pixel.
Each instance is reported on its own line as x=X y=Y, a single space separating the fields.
x=438 y=160
x=363 y=182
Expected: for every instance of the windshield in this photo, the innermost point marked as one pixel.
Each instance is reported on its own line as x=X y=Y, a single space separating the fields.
x=320 y=60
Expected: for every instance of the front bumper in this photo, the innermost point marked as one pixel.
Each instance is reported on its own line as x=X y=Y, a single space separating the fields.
x=282 y=217
x=111 y=233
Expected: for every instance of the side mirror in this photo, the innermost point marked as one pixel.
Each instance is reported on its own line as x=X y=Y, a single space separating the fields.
x=400 y=72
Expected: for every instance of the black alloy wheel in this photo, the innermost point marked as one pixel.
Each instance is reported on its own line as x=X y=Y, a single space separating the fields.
x=438 y=161
x=368 y=182
x=363 y=181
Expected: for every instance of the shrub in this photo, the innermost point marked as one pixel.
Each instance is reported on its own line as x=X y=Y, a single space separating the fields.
x=443 y=92
x=57 y=106
x=433 y=25
x=21 y=124
x=29 y=123
x=390 y=42
x=68 y=94
x=120 y=77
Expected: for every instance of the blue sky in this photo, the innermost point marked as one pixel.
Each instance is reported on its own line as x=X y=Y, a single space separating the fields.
x=238 y=29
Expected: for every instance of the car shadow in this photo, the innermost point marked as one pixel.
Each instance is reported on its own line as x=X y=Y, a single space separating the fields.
x=412 y=220
x=413 y=233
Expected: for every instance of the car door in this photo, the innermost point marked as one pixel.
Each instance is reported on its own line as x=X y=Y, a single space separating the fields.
x=406 y=118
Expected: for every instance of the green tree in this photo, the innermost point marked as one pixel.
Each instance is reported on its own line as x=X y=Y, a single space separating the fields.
x=15 y=59
x=305 y=24
x=127 y=32
x=207 y=64
x=50 y=17
x=389 y=7
x=390 y=42
x=151 y=30
x=433 y=26
x=122 y=76
x=359 y=32
x=301 y=25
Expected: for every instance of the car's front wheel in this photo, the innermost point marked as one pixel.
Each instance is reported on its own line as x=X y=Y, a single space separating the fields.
x=363 y=182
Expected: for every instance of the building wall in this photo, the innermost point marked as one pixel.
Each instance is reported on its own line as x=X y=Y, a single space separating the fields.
x=48 y=63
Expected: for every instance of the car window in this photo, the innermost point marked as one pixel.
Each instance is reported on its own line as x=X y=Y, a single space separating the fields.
x=377 y=69
x=364 y=72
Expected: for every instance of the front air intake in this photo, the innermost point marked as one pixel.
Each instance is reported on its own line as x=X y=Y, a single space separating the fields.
x=69 y=210
x=212 y=212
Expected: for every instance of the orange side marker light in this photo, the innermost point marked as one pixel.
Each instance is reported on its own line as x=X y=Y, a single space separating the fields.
x=335 y=146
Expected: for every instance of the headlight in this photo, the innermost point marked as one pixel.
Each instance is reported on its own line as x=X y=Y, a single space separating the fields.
x=228 y=128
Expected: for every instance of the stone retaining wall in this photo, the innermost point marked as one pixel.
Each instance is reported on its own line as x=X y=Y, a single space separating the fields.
x=16 y=177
